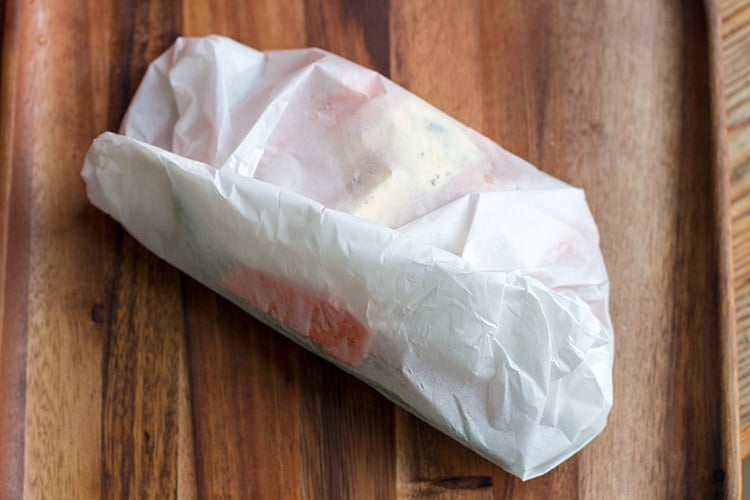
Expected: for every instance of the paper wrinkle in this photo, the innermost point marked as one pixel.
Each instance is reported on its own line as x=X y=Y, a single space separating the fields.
x=454 y=277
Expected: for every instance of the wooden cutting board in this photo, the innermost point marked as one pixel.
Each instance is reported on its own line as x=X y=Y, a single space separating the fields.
x=121 y=377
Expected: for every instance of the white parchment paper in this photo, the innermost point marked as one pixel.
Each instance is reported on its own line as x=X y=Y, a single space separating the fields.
x=456 y=278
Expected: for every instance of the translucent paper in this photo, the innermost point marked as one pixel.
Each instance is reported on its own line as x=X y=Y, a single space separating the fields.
x=373 y=229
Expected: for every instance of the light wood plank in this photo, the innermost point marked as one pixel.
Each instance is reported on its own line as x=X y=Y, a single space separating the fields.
x=736 y=45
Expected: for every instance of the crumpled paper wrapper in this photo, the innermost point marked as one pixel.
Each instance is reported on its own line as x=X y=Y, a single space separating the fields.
x=373 y=229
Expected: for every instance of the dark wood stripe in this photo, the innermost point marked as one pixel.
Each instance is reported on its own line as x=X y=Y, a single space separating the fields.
x=140 y=365
x=358 y=30
x=461 y=483
x=358 y=447
x=141 y=30
x=373 y=19
x=693 y=332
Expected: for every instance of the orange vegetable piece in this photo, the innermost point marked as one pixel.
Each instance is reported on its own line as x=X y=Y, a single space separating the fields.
x=326 y=324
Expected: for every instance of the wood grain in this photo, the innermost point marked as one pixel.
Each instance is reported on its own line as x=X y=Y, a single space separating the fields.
x=121 y=377
x=736 y=46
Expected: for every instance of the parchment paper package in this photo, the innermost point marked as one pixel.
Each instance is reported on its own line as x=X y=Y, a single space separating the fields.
x=375 y=230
